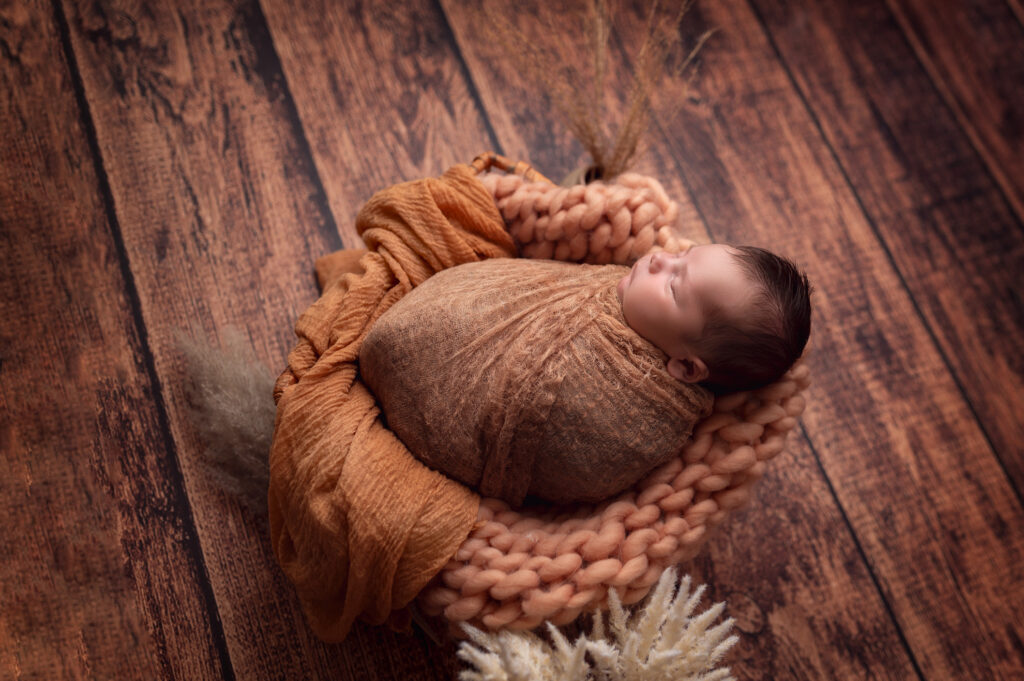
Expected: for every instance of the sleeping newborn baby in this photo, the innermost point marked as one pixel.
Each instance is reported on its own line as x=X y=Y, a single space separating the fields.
x=730 y=318
x=567 y=382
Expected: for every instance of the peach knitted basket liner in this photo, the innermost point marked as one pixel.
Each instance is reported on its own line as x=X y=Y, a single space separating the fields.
x=517 y=569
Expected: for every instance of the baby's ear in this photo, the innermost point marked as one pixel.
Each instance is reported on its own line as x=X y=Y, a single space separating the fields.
x=687 y=369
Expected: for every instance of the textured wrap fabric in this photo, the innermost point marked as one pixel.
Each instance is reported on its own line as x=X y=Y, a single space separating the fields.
x=358 y=525
x=521 y=377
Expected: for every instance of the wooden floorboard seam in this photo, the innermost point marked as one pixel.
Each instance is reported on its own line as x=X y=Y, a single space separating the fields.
x=328 y=229
x=882 y=596
x=474 y=91
x=998 y=174
x=884 y=244
x=131 y=291
x=1018 y=10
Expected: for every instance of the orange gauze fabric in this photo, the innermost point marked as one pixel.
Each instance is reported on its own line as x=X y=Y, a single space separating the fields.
x=358 y=525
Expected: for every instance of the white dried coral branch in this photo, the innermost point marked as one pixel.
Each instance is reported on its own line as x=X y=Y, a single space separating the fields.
x=522 y=656
x=663 y=640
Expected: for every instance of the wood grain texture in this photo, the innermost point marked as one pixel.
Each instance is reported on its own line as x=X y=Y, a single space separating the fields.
x=221 y=217
x=241 y=224
x=974 y=52
x=790 y=569
x=940 y=215
x=381 y=93
x=884 y=415
x=94 y=515
x=162 y=169
x=805 y=603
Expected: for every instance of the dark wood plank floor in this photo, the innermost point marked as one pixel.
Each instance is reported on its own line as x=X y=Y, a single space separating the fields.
x=179 y=165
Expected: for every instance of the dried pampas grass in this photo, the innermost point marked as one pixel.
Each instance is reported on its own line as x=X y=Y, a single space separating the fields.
x=663 y=640
x=578 y=90
x=231 y=405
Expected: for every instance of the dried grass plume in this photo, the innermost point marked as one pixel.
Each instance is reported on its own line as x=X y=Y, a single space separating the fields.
x=231 y=405
x=578 y=91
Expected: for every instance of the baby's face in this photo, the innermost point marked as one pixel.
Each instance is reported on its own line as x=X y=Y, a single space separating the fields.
x=666 y=297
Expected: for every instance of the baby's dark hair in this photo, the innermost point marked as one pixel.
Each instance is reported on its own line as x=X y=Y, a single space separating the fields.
x=748 y=353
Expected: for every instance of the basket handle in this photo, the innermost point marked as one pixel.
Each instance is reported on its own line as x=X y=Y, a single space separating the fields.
x=490 y=159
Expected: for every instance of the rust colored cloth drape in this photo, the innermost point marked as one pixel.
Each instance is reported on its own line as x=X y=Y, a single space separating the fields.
x=358 y=525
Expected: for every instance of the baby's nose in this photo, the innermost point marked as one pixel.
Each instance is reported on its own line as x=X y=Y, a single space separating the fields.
x=659 y=260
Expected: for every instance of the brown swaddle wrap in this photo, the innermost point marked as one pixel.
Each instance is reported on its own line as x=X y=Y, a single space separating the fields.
x=521 y=377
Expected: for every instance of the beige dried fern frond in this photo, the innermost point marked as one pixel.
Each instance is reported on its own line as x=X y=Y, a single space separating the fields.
x=664 y=639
